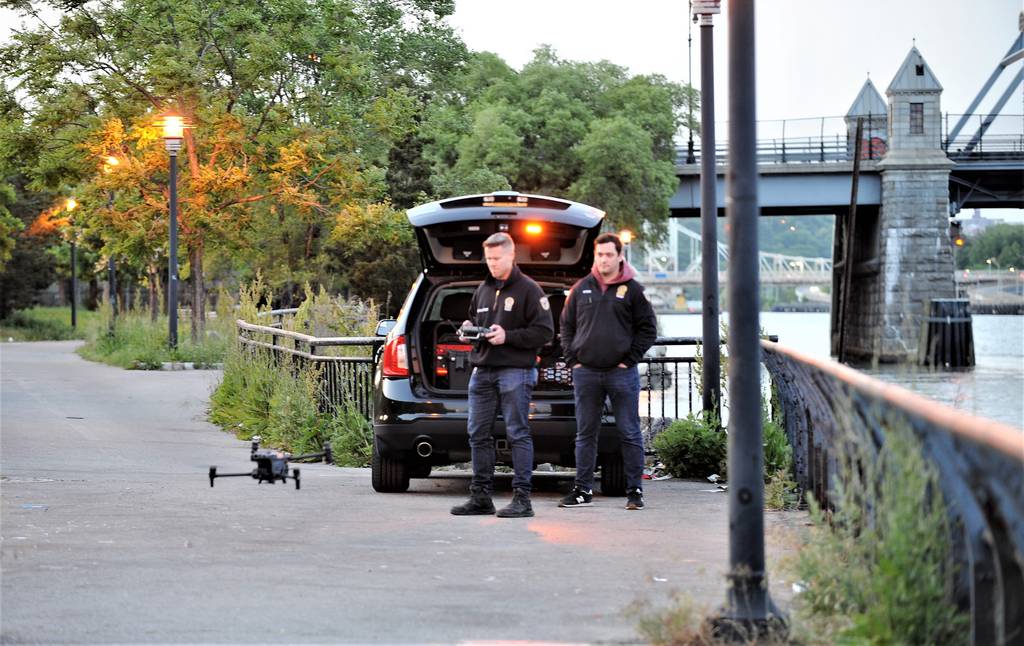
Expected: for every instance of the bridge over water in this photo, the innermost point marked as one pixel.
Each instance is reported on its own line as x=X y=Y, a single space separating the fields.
x=914 y=167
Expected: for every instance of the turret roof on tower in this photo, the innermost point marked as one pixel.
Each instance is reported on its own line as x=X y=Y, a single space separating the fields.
x=868 y=102
x=914 y=75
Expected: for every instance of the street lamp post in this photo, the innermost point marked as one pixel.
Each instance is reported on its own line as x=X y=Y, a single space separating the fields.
x=704 y=10
x=70 y=206
x=174 y=128
x=749 y=611
x=108 y=165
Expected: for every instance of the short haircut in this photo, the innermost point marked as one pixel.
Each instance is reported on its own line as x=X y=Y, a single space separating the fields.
x=500 y=239
x=605 y=238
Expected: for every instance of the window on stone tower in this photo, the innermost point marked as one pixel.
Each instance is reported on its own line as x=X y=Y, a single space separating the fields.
x=917 y=118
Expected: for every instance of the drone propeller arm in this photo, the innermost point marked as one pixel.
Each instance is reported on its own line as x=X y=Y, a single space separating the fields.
x=214 y=474
x=327 y=454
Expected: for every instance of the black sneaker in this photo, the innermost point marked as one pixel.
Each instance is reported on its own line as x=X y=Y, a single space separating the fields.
x=479 y=504
x=635 y=499
x=520 y=506
x=579 y=497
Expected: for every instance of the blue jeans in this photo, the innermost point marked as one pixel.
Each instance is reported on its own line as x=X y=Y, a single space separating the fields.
x=622 y=387
x=510 y=390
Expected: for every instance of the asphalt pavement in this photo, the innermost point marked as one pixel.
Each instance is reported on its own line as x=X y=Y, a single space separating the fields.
x=111 y=533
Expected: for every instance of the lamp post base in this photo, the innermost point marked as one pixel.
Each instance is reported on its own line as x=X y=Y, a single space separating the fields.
x=749 y=615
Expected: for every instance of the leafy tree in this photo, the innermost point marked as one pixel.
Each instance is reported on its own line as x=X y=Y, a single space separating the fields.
x=1003 y=244
x=30 y=268
x=587 y=131
x=294 y=107
x=376 y=246
x=620 y=174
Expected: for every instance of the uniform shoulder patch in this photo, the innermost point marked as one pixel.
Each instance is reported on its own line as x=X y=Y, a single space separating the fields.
x=544 y=304
x=621 y=291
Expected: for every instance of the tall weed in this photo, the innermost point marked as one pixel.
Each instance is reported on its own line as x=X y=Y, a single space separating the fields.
x=879 y=568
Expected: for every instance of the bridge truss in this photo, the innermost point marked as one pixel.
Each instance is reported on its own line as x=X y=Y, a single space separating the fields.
x=661 y=265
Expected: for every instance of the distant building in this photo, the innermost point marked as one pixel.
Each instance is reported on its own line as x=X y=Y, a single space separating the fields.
x=975 y=224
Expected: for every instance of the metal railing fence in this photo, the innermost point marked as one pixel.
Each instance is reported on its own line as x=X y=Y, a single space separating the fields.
x=987 y=137
x=669 y=383
x=980 y=466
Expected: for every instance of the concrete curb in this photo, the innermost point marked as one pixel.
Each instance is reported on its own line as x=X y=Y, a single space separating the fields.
x=188 y=365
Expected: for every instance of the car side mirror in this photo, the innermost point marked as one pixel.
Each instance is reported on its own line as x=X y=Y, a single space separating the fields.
x=384 y=327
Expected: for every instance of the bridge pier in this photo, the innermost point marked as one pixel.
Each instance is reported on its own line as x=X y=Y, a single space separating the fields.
x=902 y=256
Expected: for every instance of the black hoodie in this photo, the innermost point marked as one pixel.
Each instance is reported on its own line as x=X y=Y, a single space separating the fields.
x=517 y=304
x=604 y=325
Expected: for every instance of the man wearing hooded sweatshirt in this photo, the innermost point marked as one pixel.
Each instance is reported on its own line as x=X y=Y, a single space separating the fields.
x=607 y=325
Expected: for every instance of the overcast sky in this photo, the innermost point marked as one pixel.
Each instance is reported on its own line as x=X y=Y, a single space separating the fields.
x=813 y=56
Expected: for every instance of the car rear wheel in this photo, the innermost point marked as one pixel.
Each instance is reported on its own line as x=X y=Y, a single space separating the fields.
x=613 y=475
x=388 y=475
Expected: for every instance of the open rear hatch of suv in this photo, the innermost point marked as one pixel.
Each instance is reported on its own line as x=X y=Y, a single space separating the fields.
x=553 y=237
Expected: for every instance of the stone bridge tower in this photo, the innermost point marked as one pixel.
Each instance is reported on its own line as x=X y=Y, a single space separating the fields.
x=903 y=257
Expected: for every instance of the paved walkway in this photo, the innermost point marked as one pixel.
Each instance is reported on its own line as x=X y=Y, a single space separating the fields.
x=110 y=532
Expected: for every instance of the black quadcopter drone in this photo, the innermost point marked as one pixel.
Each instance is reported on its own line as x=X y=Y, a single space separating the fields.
x=272 y=465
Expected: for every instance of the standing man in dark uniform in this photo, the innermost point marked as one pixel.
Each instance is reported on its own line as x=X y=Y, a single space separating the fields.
x=515 y=309
x=607 y=325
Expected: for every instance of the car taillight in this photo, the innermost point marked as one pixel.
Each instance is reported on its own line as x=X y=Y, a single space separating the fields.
x=396 y=360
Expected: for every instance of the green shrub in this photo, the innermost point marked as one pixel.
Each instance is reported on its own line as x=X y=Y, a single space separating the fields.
x=879 y=569
x=778 y=455
x=694 y=447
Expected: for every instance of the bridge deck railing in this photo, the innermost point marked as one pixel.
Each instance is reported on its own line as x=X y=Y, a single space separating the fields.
x=980 y=466
x=807 y=141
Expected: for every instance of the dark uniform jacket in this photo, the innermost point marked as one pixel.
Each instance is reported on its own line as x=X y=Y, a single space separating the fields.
x=517 y=304
x=603 y=328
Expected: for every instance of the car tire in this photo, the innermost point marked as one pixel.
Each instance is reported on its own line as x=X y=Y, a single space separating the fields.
x=388 y=475
x=613 y=475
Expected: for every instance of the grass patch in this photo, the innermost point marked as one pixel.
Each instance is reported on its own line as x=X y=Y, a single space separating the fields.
x=47 y=324
x=136 y=341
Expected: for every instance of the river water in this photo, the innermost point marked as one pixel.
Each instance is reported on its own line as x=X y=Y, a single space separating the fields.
x=993 y=389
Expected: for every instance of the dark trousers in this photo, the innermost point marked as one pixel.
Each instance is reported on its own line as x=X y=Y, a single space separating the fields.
x=622 y=387
x=508 y=390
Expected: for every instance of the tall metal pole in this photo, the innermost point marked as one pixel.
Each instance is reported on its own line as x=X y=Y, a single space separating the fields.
x=74 y=280
x=712 y=395
x=690 y=157
x=172 y=260
x=112 y=276
x=749 y=610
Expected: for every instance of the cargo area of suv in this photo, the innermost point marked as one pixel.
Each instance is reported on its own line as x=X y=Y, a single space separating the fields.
x=421 y=386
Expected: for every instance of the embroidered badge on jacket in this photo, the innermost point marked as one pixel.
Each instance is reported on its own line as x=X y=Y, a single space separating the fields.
x=621 y=291
x=509 y=302
x=544 y=303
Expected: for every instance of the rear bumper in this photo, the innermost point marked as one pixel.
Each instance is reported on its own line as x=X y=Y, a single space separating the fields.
x=554 y=440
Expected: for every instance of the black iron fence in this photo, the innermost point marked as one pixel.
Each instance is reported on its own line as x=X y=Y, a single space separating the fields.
x=980 y=465
x=346 y=365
